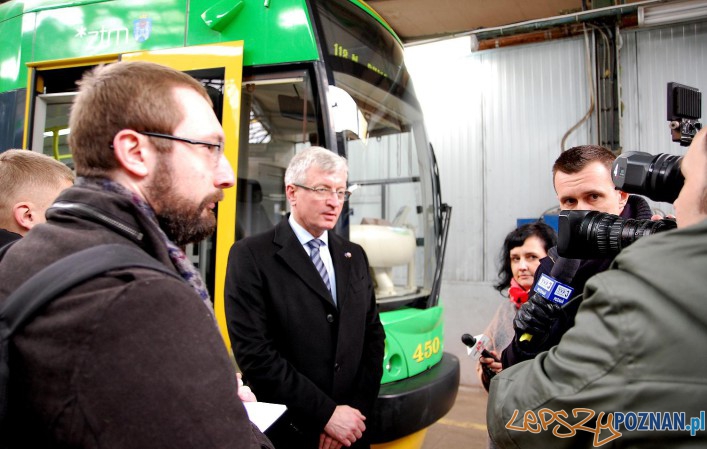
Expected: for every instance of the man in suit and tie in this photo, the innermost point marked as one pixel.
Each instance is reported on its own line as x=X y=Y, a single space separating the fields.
x=302 y=315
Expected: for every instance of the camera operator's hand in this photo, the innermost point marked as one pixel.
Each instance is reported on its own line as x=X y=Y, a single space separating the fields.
x=535 y=318
x=656 y=217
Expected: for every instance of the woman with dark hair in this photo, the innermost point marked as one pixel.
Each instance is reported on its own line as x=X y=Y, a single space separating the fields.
x=519 y=258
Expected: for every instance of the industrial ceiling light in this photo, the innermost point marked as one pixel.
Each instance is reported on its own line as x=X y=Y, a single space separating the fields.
x=672 y=12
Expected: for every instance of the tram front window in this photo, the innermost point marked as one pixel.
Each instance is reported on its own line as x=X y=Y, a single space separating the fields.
x=389 y=212
x=379 y=125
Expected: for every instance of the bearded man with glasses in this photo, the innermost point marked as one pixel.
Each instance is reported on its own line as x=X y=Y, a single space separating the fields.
x=302 y=314
x=133 y=356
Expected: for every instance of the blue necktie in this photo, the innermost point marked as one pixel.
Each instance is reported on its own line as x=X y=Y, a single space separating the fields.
x=314 y=245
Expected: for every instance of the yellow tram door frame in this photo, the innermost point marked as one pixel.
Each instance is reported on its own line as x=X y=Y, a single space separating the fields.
x=228 y=56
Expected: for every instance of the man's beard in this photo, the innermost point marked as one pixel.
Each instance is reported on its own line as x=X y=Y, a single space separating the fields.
x=181 y=219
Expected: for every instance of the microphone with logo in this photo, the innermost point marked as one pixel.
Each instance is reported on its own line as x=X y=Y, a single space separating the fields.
x=475 y=348
x=554 y=288
x=471 y=343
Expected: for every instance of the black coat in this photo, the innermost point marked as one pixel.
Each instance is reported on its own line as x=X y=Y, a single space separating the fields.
x=294 y=346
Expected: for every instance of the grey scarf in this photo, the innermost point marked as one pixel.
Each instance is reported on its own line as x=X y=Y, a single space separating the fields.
x=180 y=260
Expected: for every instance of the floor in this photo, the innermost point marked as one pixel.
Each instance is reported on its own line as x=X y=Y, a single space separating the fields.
x=465 y=424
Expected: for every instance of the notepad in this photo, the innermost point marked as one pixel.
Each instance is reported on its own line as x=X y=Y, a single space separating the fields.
x=263 y=414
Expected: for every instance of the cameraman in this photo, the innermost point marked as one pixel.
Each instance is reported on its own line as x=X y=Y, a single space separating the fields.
x=582 y=180
x=626 y=353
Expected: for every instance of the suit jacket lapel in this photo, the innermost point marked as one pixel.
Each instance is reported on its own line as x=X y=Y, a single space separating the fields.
x=294 y=255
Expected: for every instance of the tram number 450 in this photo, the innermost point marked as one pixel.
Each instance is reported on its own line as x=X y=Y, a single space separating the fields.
x=426 y=350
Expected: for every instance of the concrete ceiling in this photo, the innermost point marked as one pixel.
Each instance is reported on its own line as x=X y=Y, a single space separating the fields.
x=416 y=20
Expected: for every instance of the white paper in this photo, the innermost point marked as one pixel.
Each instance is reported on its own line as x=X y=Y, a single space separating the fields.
x=263 y=414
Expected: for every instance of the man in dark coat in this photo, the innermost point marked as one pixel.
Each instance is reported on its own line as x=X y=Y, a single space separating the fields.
x=133 y=357
x=303 y=321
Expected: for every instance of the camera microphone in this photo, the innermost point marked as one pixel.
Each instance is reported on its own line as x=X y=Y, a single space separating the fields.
x=470 y=342
x=564 y=269
x=554 y=288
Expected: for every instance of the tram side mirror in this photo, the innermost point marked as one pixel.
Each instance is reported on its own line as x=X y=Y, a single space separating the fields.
x=346 y=116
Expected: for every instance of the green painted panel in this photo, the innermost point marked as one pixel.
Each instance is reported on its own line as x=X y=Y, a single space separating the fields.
x=274 y=32
x=108 y=27
x=12 y=74
x=414 y=341
x=10 y=10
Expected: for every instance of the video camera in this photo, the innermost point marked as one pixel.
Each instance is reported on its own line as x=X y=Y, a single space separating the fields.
x=658 y=176
x=591 y=234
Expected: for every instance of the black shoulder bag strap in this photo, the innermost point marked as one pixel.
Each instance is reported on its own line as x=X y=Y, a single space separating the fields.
x=54 y=280
x=67 y=272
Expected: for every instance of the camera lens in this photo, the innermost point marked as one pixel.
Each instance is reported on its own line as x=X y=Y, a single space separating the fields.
x=587 y=234
x=623 y=232
x=656 y=176
x=666 y=179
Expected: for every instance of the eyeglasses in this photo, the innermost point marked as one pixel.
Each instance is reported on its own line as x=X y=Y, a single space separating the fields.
x=216 y=149
x=323 y=193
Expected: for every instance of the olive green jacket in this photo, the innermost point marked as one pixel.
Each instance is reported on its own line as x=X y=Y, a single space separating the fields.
x=637 y=346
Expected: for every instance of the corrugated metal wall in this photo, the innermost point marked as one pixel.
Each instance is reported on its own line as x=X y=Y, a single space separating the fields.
x=496 y=119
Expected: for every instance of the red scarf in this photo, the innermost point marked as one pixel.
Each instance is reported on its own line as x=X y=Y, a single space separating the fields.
x=517 y=294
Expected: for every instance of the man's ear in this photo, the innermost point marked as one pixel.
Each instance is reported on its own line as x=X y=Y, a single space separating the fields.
x=132 y=152
x=24 y=215
x=290 y=193
x=623 y=199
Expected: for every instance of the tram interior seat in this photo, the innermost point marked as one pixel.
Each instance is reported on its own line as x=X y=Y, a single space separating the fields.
x=387 y=245
x=251 y=216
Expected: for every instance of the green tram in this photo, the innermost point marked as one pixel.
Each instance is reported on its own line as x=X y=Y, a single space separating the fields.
x=283 y=75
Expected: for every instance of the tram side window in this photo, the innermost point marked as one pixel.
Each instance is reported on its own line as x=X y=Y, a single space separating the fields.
x=12 y=110
x=282 y=119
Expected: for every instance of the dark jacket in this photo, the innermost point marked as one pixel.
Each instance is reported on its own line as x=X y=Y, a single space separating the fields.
x=294 y=346
x=131 y=358
x=636 y=208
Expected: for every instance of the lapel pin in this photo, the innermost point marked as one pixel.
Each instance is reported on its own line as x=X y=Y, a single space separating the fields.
x=347 y=255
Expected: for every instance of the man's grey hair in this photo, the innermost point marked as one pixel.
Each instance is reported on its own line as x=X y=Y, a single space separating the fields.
x=319 y=157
